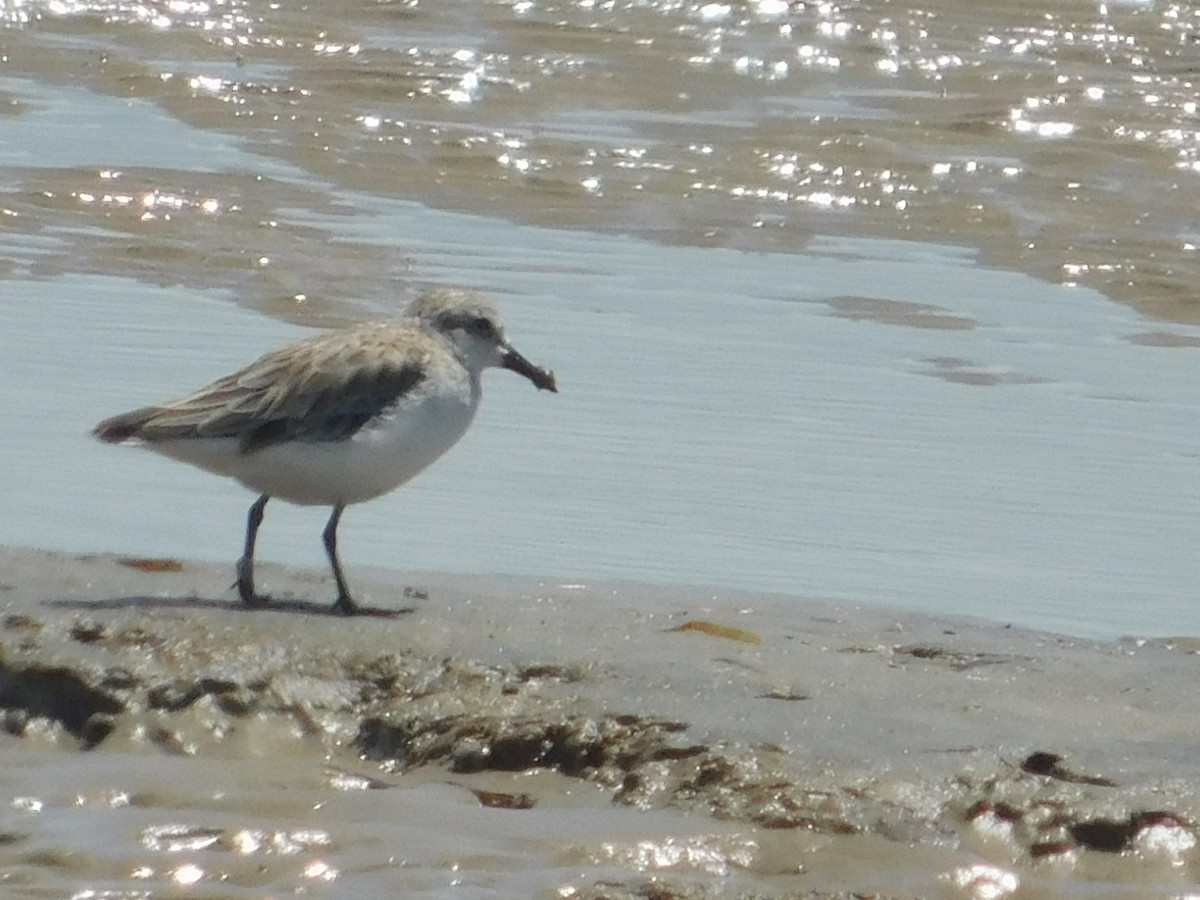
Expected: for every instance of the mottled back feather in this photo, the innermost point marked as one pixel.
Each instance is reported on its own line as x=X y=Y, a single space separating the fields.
x=337 y=414
x=301 y=392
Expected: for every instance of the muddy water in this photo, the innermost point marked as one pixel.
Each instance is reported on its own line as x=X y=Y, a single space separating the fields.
x=1062 y=141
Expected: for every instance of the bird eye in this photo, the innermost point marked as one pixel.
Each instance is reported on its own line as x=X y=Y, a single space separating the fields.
x=482 y=326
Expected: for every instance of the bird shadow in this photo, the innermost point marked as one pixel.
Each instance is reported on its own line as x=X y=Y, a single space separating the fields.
x=290 y=606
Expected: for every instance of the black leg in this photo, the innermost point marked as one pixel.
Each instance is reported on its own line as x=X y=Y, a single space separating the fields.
x=245 y=566
x=345 y=603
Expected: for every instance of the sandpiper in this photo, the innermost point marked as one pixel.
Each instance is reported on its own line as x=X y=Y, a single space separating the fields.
x=339 y=418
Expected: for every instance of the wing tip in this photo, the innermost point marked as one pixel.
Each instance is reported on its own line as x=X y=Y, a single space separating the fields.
x=118 y=429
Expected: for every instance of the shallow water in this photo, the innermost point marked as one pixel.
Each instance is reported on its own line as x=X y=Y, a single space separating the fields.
x=256 y=828
x=846 y=301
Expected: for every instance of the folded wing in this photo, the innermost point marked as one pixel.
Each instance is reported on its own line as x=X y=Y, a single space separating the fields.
x=323 y=389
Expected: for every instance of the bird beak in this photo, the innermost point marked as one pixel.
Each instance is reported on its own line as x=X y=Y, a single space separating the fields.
x=543 y=379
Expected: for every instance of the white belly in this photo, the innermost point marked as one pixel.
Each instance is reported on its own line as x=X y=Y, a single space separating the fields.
x=378 y=458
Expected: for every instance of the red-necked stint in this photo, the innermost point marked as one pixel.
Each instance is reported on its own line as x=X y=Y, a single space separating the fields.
x=339 y=418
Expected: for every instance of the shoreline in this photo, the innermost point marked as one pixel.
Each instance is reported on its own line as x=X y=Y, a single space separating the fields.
x=782 y=729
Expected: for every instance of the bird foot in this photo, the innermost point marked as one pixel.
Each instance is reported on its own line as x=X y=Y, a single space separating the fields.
x=344 y=605
x=249 y=596
x=253 y=600
x=245 y=586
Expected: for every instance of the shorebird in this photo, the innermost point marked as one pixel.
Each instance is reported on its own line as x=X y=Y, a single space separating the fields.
x=339 y=418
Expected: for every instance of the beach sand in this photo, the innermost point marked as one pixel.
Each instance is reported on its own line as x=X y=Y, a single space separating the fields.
x=509 y=737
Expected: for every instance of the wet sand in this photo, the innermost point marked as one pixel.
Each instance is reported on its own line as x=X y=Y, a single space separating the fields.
x=510 y=737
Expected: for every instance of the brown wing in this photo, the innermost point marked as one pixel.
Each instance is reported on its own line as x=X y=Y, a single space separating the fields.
x=322 y=389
